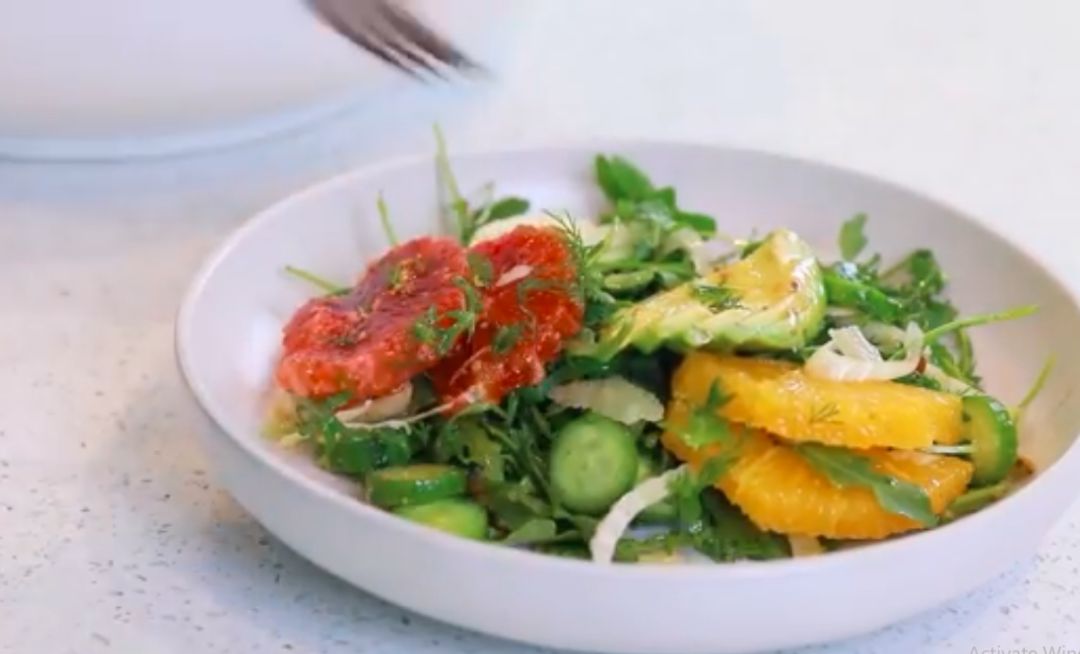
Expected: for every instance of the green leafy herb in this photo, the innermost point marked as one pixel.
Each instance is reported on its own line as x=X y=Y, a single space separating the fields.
x=456 y=208
x=632 y=550
x=852 y=239
x=433 y=329
x=513 y=504
x=467 y=220
x=480 y=268
x=704 y=427
x=506 y=337
x=384 y=218
x=532 y=532
x=977 y=499
x=465 y=440
x=730 y=536
x=845 y=468
x=330 y=288
x=395 y=277
x=920 y=380
x=351 y=450
x=845 y=286
x=621 y=180
x=588 y=283
x=977 y=320
x=716 y=298
x=1036 y=388
x=699 y=222
x=507 y=207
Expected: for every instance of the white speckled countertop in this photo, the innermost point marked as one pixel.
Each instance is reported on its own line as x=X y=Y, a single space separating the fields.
x=113 y=535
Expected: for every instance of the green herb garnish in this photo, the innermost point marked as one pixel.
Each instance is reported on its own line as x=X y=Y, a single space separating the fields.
x=330 y=288
x=852 y=239
x=704 y=427
x=465 y=219
x=441 y=331
x=384 y=219
x=716 y=298
x=846 y=468
x=355 y=450
x=506 y=337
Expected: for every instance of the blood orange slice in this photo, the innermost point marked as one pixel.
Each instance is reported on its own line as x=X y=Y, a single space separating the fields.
x=529 y=310
x=364 y=342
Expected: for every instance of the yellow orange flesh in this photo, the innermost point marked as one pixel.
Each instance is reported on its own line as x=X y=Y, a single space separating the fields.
x=780 y=398
x=780 y=491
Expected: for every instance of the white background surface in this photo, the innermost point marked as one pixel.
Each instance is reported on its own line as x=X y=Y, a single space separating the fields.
x=114 y=536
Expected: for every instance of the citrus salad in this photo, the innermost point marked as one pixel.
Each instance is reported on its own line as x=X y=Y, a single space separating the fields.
x=635 y=386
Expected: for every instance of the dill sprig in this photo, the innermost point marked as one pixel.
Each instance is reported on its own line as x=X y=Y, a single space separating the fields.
x=433 y=329
x=319 y=282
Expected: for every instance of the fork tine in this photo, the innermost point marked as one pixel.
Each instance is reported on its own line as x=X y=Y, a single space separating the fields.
x=403 y=47
x=425 y=39
x=352 y=28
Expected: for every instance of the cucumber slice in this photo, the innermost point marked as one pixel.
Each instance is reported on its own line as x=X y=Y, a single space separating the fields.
x=664 y=511
x=414 y=484
x=990 y=429
x=454 y=516
x=594 y=462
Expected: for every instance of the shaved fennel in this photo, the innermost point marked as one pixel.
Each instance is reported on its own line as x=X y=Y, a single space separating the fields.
x=623 y=512
x=849 y=356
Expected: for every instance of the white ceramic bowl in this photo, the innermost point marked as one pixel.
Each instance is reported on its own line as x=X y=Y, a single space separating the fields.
x=227 y=339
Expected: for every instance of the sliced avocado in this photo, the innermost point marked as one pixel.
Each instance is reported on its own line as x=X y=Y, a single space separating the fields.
x=774 y=299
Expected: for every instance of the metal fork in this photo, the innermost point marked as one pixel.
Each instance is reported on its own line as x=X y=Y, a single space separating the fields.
x=393 y=34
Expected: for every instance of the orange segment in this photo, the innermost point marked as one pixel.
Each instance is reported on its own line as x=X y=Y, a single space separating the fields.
x=780 y=491
x=782 y=399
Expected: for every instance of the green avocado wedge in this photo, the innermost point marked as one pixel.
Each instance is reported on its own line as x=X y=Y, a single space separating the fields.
x=773 y=299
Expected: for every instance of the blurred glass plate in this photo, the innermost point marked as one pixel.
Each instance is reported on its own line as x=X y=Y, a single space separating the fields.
x=121 y=78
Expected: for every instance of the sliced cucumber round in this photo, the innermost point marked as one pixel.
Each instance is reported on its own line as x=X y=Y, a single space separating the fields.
x=454 y=516
x=994 y=444
x=414 y=484
x=594 y=462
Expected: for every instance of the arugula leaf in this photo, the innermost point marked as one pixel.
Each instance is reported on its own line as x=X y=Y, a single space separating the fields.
x=632 y=550
x=852 y=239
x=699 y=222
x=588 y=283
x=430 y=329
x=977 y=320
x=512 y=504
x=533 y=532
x=846 y=468
x=455 y=207
x=920 y=380
x=506 y=337
x=1036 y=388
x=731 y=536
x=844 y=289
x=352 y=450
x=507 y=207
x=917 y=274
x=330 y=288
x=466 y=220
x=384 y=219
x=480 y=268
x=704 y=427
x=621 y=180
x=466 y=440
